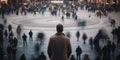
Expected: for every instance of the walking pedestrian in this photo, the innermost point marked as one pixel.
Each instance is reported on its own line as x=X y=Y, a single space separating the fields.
x=91 y=42
x=42 y=57
x=30 y=34
x=23 y=57
x=78 y=53
x=62 y=18
x=72 y=57
x=24 y=39
x=84 y=37
x=78 y=35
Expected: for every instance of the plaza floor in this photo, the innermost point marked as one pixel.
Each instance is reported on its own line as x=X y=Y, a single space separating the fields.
x=46 y=24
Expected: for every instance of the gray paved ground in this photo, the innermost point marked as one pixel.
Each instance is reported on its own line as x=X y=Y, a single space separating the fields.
x=47 y=25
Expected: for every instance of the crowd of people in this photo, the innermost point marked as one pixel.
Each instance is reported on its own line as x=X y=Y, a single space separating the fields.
x=68 y=8
x=59 y=47
x=105 y=52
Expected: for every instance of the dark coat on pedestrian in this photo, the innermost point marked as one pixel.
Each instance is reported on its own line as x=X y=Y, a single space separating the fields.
x=84 y=37
x=78 y=51
x=15 y=41
x=118 y=57
x=1 y=36
x=18 y=30
x=72 y=57
x=11 y=34
x=30 y=34
x=77 y=34
x=23 y=57
x=91 y=41
x=9 y=49
x=113 y=47
x=9 y=27
x=24 y=37
x=6 y=33
x=42 y=57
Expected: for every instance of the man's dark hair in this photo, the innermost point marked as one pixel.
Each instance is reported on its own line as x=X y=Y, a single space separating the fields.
x=59 y=28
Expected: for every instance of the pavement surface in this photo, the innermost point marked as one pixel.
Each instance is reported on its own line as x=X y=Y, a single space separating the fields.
x=46 y=24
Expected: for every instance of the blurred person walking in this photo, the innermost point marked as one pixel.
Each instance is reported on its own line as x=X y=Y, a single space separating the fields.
x=78 y=35
x=23 y=57
x=30 y=34
x=24 y=39
x=84 y=37
x=78 y=53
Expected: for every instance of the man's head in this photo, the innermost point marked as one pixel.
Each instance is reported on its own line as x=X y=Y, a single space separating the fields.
x=59 y=28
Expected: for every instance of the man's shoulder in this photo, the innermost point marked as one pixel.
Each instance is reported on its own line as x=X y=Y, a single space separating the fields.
x=53 y=36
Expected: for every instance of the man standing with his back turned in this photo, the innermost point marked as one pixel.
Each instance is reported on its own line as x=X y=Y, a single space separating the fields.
x=59 y=47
